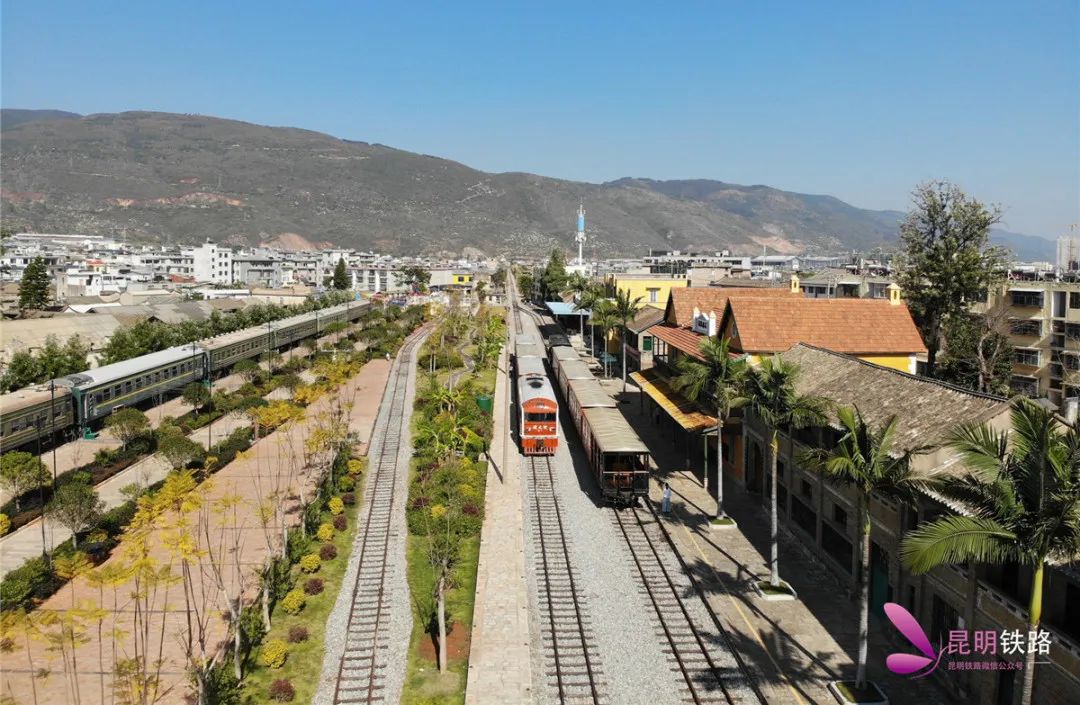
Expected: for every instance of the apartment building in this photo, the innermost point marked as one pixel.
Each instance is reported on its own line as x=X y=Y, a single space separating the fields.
x=1042 y=319
x=212 y=263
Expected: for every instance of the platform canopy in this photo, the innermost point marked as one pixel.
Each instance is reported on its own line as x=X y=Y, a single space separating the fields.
x=561 y=308
x=683 y=411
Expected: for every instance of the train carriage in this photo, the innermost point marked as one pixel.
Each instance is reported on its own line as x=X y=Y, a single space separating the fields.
x=617 y=456
x=570 y=370
x=529 y=350
x=229 y=348
x=25 y=414
x=538 y=411
x=102 y=390
x=561 y=353
x=587 y=394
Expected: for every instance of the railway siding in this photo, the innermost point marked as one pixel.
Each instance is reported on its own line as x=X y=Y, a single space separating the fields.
x=368 y=630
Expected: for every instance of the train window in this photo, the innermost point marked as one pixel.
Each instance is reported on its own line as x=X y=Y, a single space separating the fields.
x=107 y=394
x=539 y=417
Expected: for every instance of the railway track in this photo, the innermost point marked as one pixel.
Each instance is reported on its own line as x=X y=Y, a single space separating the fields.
x=570 y=654
x=361 y=677
x=710 y=666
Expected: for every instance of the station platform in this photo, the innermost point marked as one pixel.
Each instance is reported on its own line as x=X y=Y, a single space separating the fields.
x=500 y=671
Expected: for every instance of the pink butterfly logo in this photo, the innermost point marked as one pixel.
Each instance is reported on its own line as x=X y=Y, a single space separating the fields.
x=906 y=664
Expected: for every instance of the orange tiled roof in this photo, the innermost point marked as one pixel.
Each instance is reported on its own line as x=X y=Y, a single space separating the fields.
x=680 y=309
x=852 y=326
x=679 y=338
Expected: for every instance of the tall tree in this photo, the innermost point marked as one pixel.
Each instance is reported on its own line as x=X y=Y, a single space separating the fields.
x=341 y=276
x=127 y=424
x=75 y=506
x=1023 y=499
x=577 y=285
x=603 y=315
x=978 y=353
x=416 y=278
x=868 y=460
x=34 y=287
x=624 y=309
x=21 y=472
x=775 y=400
x=718 y=379
x=553 y=279
x=589 y=300
x=947 y=262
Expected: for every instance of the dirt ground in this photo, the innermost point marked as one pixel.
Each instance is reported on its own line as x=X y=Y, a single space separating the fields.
x=274 y=467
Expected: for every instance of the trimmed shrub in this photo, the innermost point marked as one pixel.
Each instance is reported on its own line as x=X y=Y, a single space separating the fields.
x=310 y=563
x=274 y=653
x=328 y=552
x=348 y=498
x=346 y=483
x=340 y=522
x=297 y=634
x=325 y=532
x=335 y=505
x=282 y=691
x=355 y=466
x=313 y=586
x=5 y=524
x=293 y=601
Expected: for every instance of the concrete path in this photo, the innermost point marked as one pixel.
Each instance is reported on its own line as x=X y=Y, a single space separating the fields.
x=795 y=647
x=26 y=542
x=500 y=671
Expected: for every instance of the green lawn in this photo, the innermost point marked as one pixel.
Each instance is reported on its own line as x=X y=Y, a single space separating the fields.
x=424 y=685
x=305 y=659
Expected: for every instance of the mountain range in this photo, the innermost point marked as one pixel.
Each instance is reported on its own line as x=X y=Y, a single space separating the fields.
x=170 y=178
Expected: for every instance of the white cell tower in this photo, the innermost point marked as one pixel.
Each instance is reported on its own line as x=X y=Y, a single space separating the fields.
x=580 y=237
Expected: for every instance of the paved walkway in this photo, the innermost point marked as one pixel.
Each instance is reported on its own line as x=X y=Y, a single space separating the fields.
x=500 y=670
x=795 y=647
x=26 y=542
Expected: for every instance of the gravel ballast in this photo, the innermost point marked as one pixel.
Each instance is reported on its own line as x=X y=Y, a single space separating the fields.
x=398 y=625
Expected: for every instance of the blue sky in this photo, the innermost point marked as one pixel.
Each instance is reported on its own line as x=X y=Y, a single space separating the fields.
x=860 y=100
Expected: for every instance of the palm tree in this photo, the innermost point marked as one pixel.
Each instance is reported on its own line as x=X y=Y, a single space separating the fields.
x=590 y=299
x=624 y=308
x=774 y=399
x=867 y=460
x=603 y=315
x=721 y=378
x=1023 y=494
x=577 y=285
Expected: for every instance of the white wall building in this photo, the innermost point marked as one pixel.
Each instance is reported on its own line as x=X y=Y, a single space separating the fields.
x=212 y=263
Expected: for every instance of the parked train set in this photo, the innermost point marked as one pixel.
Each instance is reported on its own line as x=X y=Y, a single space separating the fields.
x=77 y=401
x=618 y=459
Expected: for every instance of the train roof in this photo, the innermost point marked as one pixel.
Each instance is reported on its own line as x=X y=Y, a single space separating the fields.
x=612 y=433
x=528 y=350
x=589 y=393
x=127 y=368
x=535 y=386
x=557 y=340
x=564 y=352
x=236 y=336
x=28 y=396
x=575 y=369
x=531 y=366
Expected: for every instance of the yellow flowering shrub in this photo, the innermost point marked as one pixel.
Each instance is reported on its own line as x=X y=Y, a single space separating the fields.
x=438 y=511
x=325 y=532
x=5 y=524
x=294 y=601
x=355 y=466
x=274 y=653
x=311 y=563
x=335 y=505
